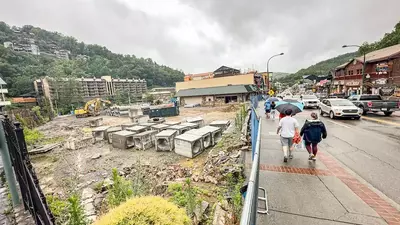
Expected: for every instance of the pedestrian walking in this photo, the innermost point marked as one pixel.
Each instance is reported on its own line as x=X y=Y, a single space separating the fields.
x=267 y=106
x=273 y=110
x=287 y=128
x=313 y=131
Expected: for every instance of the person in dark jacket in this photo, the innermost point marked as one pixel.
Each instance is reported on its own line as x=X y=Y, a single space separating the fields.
x=313 y=131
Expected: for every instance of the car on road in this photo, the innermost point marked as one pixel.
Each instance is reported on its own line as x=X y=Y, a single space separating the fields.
x=337 y=107
x=310 y=101
x=374 y=103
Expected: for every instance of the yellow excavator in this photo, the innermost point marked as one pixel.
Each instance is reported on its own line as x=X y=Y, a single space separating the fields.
x=91 y=108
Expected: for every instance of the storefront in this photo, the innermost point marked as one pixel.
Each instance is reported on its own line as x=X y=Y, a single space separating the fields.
x=352 y=87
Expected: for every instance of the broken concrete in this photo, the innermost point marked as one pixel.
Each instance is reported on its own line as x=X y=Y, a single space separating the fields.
x=172 y=123
x=191 y=125
x=159 y=127
x=180 y=128
x=188 y=145
x=136 y=129
x=123 y=139
x=165 y=140
x=44 y=149
x=100 y=133
x=75 y=144
x=156 y=120
x=216 y=133
x=145 y=139
x=197 y=120
x=110 y=131
x=204 y=134
x=223 y=124
x=96 y=122
x=124 y=126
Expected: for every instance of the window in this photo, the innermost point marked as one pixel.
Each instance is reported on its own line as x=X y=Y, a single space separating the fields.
x=370 y=97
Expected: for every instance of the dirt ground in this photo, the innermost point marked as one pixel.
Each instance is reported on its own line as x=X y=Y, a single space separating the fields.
x=62 y=170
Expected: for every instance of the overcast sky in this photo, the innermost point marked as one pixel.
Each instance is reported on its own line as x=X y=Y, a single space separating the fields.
x=200 y=35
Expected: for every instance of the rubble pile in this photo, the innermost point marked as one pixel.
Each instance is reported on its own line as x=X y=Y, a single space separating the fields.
x=157 y=177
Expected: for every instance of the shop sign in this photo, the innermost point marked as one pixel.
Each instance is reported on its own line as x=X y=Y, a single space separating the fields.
x=386 y=91
x=335 y=82
x=353 y=83
x=341 y=82
x=381 y=81
x=382 y=68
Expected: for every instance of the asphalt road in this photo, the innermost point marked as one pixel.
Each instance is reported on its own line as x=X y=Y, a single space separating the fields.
x=370 y=147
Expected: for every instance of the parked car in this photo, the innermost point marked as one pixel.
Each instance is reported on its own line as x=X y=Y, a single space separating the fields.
x=337 y=107
x=340 y=95
x=374 y=103
x=310 y=101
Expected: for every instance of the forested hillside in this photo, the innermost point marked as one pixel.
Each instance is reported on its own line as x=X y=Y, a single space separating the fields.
x=19 y=69
x=322 y=68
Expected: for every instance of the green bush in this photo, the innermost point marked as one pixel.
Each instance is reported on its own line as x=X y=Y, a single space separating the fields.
x=143 y=211
x=33 y=136
x=120 y=191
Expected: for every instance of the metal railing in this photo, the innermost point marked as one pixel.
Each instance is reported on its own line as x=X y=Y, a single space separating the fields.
x=249 y=213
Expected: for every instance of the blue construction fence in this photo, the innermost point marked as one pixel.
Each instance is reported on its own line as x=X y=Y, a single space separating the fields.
x=254 y=121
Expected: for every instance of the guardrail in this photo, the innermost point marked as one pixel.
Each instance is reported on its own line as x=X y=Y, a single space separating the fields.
x=249 y=213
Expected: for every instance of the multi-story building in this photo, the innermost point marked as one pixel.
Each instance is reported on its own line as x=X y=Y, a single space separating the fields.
x=382 y=71
x=3 y=91
x=88 y=88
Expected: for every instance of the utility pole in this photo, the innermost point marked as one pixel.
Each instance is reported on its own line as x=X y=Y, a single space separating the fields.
x=8 y=170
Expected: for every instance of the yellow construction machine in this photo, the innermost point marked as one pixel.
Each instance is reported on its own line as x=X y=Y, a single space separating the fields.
x=91 y=108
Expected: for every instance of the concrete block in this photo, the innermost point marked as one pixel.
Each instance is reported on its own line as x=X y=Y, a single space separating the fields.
x=180 y=128
x=136 y=129
x=135 y=112
x=204 y=134
x=124 y=126
x=96 y=122
x=191 y=125
x=147 y=125
x=188 y=145
x=110 y=131
x=134 y=120
x=197 y=120
x=100 y=133
x=159 y=127
x=216 y=133
x=223 y=124
x=165 y=140
x=172 y=123
x=123 y=139
x=75 y=144
x=156 y=120
x=145 y=140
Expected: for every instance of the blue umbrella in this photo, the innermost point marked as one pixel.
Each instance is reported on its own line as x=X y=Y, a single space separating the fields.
x=284 y=105
x=273 y=99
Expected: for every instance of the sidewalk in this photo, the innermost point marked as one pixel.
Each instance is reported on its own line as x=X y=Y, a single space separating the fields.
x=321 y=192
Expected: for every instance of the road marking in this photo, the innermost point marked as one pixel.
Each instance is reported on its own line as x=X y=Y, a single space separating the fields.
x=380 y=121
x=339 y=124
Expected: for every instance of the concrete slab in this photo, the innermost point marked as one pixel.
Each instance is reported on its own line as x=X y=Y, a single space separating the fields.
x=145 y=139
x=124 y=126
x=204 y=134
x=300 y=194
x=156 y=120
x=110 y=131
x=172 y=123
x=188 y=145
x=165 y=140
x=196 y=120
x=147 y=125
x=191 y=125
x=96 y=122
x=159 y=127
x=136 y=129
x=123 y=139
x=216 y=133
x=100 y=133
x=180 y=128
x=346 y=196
x=280 y=218
x=223 y=124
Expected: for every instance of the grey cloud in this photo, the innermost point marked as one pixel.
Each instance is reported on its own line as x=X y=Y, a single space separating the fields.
x=307 y=30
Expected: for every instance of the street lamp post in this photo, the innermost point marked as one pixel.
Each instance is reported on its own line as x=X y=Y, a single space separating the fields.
x=363 y=67
x=268 y=63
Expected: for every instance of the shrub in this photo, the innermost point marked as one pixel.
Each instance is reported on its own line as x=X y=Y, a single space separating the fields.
x=76 y=212
x=120 y=191
x=32 y=136
x=145 y=210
